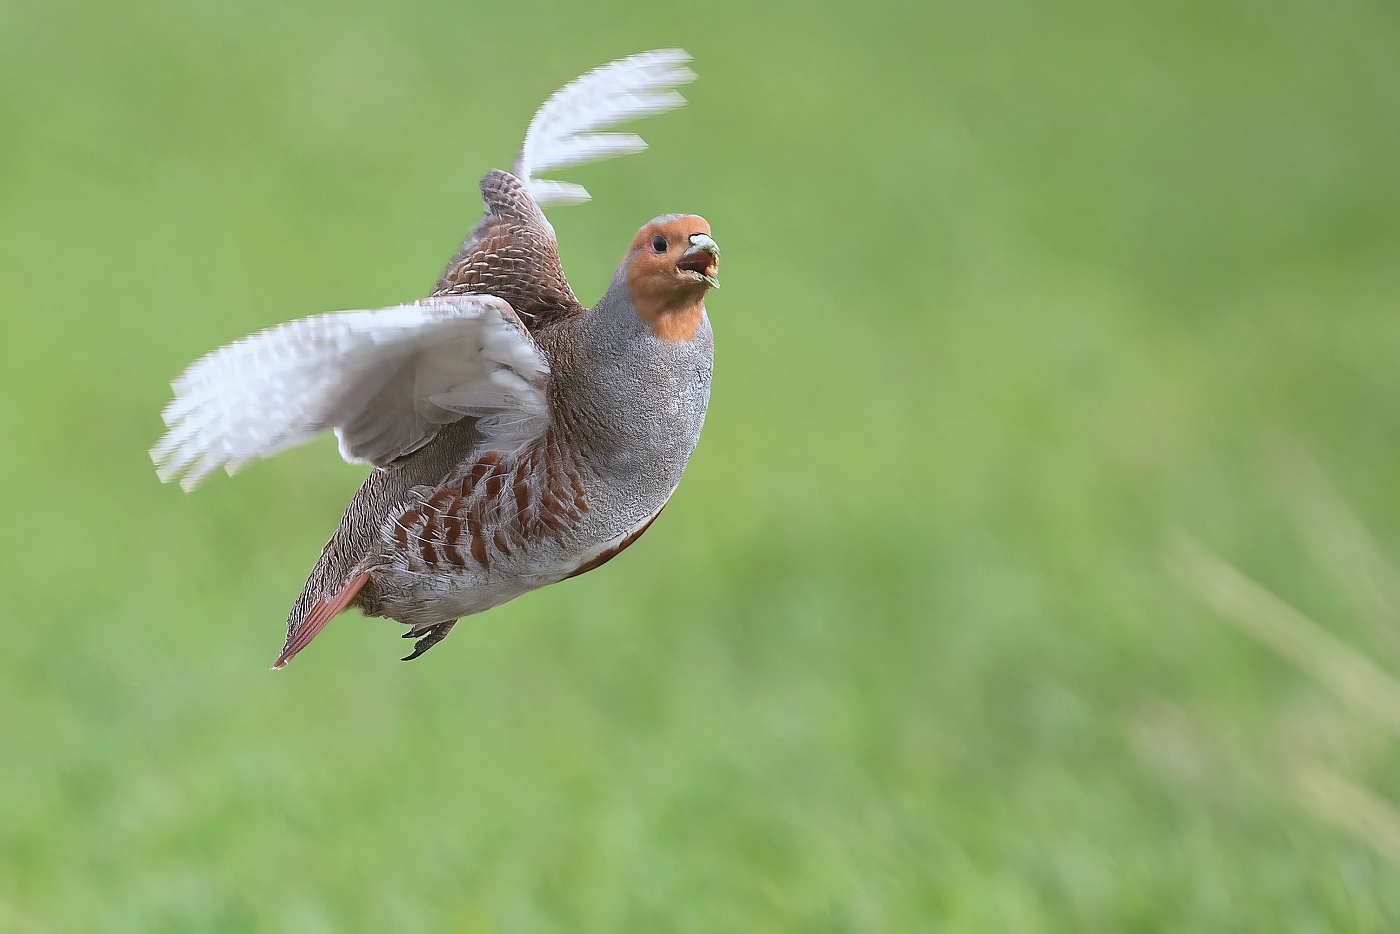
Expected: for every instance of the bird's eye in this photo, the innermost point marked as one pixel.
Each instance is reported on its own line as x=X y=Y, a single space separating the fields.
x=658 y=244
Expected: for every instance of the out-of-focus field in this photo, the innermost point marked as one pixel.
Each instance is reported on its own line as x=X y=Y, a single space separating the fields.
x=1011 y=292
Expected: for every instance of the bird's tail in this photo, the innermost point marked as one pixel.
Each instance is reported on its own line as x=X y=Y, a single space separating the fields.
x=322 y=612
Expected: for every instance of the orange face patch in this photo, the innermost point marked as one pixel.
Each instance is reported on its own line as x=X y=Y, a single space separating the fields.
x=667 y=282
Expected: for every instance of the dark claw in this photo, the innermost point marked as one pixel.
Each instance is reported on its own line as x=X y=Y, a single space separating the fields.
x=430 y=637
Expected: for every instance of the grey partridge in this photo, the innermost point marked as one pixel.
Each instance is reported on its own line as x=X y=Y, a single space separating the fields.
x=517 y=438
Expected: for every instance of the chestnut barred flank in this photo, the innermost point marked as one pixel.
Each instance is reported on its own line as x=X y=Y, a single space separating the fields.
x=499 y=505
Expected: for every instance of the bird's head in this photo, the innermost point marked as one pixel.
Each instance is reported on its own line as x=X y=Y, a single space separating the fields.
x=672 y=262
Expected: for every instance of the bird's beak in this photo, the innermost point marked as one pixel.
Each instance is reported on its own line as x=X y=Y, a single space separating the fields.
x=701 y=260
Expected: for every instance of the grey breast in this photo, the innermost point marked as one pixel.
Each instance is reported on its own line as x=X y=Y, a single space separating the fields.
x=630 y=404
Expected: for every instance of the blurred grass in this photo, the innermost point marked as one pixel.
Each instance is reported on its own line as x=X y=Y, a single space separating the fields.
x=1010 y=288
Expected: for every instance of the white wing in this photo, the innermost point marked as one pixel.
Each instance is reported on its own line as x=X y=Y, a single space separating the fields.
x=384 y=380
x=564 y=131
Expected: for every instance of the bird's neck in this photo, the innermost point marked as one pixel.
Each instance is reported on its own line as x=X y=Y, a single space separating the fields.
x=672 y=314
x=634 y=308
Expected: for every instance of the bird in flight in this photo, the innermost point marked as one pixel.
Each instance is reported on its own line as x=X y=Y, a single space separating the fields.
x=517 y=438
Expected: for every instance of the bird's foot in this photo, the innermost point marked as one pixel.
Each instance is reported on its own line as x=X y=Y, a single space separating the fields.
x=427 y=638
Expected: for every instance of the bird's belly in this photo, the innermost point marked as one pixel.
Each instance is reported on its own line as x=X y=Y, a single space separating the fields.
x=425 y=598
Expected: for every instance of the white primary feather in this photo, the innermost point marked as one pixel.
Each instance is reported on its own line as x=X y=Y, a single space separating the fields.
x=565 y=130
x=383 y=380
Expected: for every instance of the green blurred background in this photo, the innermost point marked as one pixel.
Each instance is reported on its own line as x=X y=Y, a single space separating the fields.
x=1011 y=290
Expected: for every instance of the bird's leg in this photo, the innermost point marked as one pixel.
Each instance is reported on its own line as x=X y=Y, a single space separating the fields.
x=429 y=638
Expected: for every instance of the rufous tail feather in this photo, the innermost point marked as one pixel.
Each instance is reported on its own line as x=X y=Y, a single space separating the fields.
x=322 y=613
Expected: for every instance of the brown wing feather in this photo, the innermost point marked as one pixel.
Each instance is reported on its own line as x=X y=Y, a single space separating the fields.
x=512 y=254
